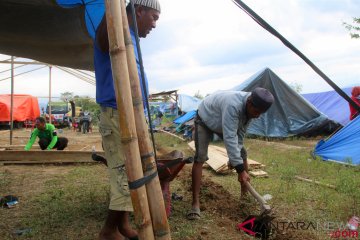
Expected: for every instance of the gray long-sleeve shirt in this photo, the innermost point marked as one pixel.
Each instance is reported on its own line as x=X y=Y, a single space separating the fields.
x=225 y=112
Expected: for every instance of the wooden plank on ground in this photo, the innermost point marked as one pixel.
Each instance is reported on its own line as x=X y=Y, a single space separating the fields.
x=258 y=173
x=38 y=155
x=47 y=162
x=17 y=147
x=218 y=158
x=251 y=163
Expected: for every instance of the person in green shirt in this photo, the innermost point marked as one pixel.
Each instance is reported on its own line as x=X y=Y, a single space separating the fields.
x=47 y=134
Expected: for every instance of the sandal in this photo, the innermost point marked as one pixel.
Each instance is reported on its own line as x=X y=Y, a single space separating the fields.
x=193 y=214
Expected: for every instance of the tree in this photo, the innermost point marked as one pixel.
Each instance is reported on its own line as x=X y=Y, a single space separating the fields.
x=66 y=96
x=355 y=27
x=88 y=104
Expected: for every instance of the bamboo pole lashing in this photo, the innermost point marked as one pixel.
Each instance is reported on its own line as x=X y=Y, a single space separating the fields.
x=126 y=118
x=154 y=192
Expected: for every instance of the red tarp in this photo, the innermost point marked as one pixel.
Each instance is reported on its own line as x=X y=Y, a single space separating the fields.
x=26 y=107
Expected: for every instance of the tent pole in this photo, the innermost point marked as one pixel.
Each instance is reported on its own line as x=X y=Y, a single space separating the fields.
x=50 y=93
x=12 y=100
x=176 y=102
x=127 y=128
x=153 y=188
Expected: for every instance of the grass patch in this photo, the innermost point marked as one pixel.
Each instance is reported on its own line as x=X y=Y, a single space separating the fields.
x=300 y=200
x=71 y=202
x=69 y=206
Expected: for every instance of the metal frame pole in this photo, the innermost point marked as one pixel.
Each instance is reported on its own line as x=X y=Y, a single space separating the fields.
x=12 y=100
x=50 y=93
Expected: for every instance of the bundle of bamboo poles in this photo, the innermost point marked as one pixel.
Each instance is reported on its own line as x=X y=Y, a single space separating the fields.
x=149 y=208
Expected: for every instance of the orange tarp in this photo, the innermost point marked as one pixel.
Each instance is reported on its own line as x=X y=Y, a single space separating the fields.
x=26 y=107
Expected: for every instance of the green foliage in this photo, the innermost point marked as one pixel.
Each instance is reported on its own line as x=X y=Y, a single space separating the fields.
x=354 y=28
x=66 y=96
x=88 y=104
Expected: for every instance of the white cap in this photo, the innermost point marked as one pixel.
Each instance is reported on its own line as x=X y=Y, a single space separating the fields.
x=154 y=4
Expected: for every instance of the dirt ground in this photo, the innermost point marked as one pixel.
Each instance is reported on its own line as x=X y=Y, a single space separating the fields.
x=77 y=140
x=223 y=210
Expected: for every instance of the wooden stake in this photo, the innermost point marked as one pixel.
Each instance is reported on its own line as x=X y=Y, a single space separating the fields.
x=126 y=118
x=315 y=182
x=154 y=192
x=173 y=135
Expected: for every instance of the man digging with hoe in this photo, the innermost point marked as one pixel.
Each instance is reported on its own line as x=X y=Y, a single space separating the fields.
x=228 y=114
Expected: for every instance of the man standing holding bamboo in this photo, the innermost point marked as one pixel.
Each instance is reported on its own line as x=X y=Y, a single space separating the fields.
x=117 y=224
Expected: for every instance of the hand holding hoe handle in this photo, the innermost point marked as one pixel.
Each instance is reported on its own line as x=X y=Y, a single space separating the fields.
x=265 y=207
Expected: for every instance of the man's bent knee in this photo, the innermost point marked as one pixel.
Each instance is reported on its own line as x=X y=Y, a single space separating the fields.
x=43 y=143
x=63 y=142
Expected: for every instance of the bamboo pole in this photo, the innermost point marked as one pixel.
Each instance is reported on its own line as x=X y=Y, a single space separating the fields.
x=154 y=192
x=126 y=118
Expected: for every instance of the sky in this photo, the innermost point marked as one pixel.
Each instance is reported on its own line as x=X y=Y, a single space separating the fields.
x=206 y=45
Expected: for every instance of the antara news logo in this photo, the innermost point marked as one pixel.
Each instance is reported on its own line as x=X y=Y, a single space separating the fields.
x=336 y=230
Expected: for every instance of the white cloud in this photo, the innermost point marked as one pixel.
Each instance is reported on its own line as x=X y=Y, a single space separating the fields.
x=214 y=44
x=206 y=45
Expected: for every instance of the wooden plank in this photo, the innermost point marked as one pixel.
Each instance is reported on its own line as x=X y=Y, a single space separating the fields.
x=192 y=145
x=258 y=173
x=47 y=162
x=218 y=158
x=53 y=155
x=82 y=149
x=254 y=164
x=18 y=147
x=4 y=131
x=251 y=163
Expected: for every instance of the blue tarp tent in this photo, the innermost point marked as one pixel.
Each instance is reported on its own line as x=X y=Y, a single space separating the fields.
x=290 y=114
x=331 y=104
x=343 y=146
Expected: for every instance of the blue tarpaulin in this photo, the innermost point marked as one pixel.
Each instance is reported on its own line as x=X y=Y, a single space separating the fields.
x=331 y=104
x=188 y=103
x=343 y=146
x=188 y=116
x=94 y=10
